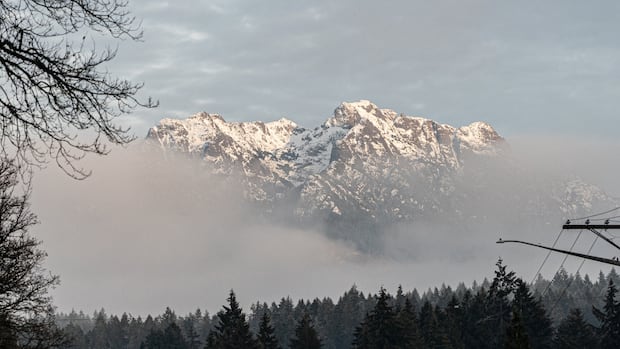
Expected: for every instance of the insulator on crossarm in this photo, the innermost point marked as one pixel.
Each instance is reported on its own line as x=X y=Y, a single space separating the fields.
x=587 y=221
x=567 y=221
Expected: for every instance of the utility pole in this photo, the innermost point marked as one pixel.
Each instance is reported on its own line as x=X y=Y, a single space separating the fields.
x=594 y=228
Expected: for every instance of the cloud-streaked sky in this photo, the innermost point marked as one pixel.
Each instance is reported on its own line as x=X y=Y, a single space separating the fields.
x=523 y=66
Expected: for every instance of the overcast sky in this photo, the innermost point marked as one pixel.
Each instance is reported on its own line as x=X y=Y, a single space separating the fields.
x=523 y=66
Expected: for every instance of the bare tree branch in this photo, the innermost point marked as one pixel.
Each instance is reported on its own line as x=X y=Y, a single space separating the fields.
x=26 y=313
x=56 y=99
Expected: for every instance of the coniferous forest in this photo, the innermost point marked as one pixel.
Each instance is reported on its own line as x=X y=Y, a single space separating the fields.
x=569 y=311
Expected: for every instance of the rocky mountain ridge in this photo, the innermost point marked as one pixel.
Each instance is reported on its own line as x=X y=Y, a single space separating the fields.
x=291 y=155
x=366 y=167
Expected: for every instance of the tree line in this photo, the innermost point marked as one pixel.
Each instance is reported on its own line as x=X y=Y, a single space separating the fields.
x=504 y=312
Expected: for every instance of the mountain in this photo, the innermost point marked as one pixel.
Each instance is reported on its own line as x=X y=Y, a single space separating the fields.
x=366 y=168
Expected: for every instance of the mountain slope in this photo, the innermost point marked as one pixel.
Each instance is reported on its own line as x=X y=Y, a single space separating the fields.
x=365 y=168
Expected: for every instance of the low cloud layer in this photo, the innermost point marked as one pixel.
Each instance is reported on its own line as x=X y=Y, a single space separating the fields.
x=146 y=232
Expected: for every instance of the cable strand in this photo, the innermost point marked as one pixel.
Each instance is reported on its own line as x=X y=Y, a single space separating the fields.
x=597 y=214
x=547 y=257
x=562 y=264
x=557 y=301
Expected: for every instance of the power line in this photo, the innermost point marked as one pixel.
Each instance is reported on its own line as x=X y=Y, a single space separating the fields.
x=572 y=279
x=597 y=214
x=611 y=219
x=547 y=256
x=563 y=261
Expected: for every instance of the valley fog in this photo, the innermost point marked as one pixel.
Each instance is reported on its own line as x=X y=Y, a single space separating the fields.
x=146 y=231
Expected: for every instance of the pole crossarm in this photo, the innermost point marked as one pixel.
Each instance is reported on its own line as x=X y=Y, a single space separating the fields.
x=576 y=254
x=591 y=226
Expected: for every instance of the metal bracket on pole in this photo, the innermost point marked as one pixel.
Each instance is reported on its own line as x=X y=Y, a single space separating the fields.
x=587 y=226
x=576 y=254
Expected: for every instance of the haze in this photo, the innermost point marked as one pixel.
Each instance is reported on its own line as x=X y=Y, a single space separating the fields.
x=144 y=233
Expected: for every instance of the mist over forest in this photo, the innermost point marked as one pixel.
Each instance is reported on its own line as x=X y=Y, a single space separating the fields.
x=147 y=231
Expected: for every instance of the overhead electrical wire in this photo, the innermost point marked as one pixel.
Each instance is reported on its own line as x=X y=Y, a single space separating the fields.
x=562 y=265
x=546 y=257
x=589 y=218
x=597 y=214
x=557 y=301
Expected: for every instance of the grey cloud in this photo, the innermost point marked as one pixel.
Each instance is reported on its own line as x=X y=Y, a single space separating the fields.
x=514 y=65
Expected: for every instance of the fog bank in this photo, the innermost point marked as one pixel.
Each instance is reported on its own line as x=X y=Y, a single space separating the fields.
x=144 y=232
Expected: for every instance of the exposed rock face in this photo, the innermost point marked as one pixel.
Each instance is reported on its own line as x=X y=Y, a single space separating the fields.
x=365 y=167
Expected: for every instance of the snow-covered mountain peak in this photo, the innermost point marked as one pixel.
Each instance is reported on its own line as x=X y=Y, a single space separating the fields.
x=205 y=115
x=203 y=133
x=349 y=114
x=283 y=125
x=480 y=137
x=356 y=129
x=363 y=167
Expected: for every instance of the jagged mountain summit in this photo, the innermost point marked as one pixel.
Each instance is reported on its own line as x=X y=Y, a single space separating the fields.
x=366 y=167
x=358 y=135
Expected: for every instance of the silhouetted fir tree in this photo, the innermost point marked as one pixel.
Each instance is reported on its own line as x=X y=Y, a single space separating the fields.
x=117 y=332
x=143 y=331
x=232 y=331
x=190 y=324
x=321 y=312
x=137 y=333
x=167 y=318
x=379 y=329
x=75 y=337
x=169 y=338
x=407 y=325
x=306 y=336
x=434 y=334
x=469 y=320
x=98 y=337
x=153 y=340
x=149 y=324
x=613 y=276
x=124 y=329
x=283 y=320
x=266 y=334
x=574 y=333
x=533 y=315
x=427 y=328
x=211 y=341
x=444 y=296
x=475 y=320
x=384 y=328
x=498 y=307
x=173 y=338
x=609 y=317
x=516 y=335
x=205 y=325
x=300 y=310
x=349 y=312
x=399 y=299
x=255 y=314
x=453 y=322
